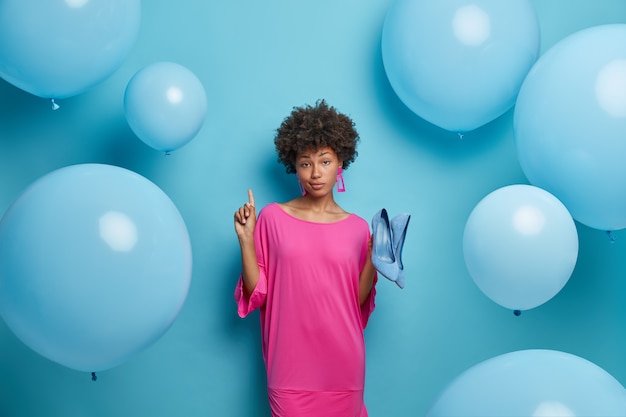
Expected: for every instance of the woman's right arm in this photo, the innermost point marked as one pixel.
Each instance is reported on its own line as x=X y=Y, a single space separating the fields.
x=245 y=223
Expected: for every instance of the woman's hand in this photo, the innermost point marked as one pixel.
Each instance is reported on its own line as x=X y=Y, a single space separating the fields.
x=245 y=219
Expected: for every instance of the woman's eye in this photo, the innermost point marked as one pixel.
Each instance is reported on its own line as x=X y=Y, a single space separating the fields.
x=326 y=162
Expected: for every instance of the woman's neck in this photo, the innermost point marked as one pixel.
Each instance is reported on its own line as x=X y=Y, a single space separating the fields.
x=321 y=210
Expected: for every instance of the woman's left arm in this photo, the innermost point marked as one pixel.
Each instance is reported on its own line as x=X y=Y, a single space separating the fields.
x=366 y=278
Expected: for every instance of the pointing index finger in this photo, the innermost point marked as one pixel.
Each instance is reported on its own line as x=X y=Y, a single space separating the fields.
x=250 y=197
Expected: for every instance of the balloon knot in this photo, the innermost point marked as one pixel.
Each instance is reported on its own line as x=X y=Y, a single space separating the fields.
x=460 y=135
x=611 y=236
x=517 y=312
x=93 y=376
x=55 y=106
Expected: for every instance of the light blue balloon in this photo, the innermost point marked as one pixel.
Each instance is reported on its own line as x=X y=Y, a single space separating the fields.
x=520 y=246
x=459 y=64
x=95 y=265
x=58 y=49
x=533 y=382
x=165 y=105
x=569 y=124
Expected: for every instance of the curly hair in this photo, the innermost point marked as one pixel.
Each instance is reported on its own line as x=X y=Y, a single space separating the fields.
x=315 y=127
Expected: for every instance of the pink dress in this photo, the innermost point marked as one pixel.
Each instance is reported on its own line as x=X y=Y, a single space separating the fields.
x=311 y=321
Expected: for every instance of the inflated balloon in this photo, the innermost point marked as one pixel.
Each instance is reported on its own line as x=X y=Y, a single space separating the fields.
x=534 y=382
x=569 y=124
x=58 y=49
x=165 y=105
x=459 y=64
x=520 y=246
x=95 y=265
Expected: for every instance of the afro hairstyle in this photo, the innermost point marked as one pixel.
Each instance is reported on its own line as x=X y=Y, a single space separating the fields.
x=312 y=128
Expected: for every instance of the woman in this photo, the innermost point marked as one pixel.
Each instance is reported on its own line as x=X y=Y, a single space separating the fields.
x=307 y=265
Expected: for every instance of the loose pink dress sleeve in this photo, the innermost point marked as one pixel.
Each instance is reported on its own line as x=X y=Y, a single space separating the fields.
x=311 y=319
x=245 y=305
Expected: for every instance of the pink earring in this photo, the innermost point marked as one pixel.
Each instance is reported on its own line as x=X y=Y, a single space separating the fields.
x=302 y=190
x=341 y=185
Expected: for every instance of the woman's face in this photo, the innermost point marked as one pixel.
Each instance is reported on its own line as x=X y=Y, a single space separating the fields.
x=317 y=170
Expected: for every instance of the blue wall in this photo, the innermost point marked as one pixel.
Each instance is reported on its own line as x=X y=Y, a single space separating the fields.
x=257 y=60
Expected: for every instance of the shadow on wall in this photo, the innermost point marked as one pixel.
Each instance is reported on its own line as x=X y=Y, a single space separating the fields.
x=285 y=185
x=245 y=331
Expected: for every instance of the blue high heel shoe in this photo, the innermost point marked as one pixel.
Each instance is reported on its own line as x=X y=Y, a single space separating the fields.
x=382 y=246
x=387 y=245
x=399 y=226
